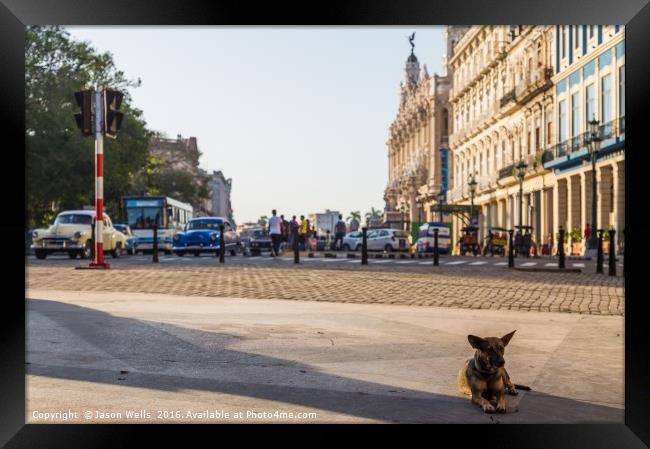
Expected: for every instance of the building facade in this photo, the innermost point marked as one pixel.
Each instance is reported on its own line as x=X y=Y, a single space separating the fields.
x=416 y=137
x=220 y=204
x=522 y=96
x=179 y=154
x=589 y=83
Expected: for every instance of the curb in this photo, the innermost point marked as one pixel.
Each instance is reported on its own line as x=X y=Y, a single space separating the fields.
x=549 y=270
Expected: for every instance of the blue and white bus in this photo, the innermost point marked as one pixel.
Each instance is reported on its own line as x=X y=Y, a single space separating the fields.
x=425 y=242
x=170 y=216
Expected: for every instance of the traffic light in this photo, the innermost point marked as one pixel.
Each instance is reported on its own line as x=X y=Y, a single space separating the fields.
x=112 y=114
x=86 y=118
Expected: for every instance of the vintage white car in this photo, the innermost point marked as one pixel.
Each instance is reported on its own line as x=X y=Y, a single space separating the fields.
x=71 y=233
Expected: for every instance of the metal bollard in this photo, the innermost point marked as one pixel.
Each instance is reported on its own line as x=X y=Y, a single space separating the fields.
x=599 y=254
x=222 y=246
x=364 y=247
x=296 y=249
x=560 y=249
x=92 y=243
x=155 y=243
x=435 y=247
x=511 y=255
x=612 y=252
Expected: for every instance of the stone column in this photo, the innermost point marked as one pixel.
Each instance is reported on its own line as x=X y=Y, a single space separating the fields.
x=605 y=188
x=619 y=197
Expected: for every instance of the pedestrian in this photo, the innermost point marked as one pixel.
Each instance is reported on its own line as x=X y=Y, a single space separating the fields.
x=303 y=230
x=285 y=232
x=339 y=232
x=587 y=232
x=518 y=242
x=294 y=228
x=275 y=231
x=549 y=244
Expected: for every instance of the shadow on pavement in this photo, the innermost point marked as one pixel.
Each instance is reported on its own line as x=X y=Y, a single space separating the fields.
x=162 y=353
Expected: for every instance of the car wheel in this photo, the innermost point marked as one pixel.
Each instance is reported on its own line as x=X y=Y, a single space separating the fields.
x=72 y=254
x=346 y=247
x=168 y=252
x=180 y=253
x=87 y=252
x=388 y=248
x=40 y=254
x=358 y=248
x=233 y=252
x=197 y=253
x=117 y=252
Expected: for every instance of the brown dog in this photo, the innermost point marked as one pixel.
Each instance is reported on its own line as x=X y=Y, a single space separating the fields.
x=484 y=377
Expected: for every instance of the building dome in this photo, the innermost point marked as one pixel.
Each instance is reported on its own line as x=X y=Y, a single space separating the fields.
x=412 y=58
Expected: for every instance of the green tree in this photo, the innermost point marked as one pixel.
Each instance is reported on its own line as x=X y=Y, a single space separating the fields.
x=355 y=215
x=374 y=213
x=59 y=160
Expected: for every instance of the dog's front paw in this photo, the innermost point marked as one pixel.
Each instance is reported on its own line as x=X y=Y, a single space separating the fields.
x=501 y=408
x=512 y=392
x=488 y=408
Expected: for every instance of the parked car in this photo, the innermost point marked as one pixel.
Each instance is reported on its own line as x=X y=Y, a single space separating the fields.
x=255 y=240
x=352 y=241
x=426 y=236
x=71 y=233
x=131 y=245
x=387 y=239
x=202 y=235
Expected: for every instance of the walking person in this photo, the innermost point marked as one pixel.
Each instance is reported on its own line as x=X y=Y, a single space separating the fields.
x=284 y=225
x=339 y=232
x=275 y=231
x=303 y=230
x=294 y=228
x=587 y=234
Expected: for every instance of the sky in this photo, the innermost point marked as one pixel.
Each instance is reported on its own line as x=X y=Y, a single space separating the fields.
x=298 y=117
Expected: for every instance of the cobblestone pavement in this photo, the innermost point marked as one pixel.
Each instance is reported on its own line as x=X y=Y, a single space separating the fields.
x=478 y=288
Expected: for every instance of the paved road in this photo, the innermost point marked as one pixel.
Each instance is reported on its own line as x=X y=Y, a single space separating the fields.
x=386 y=281
x=165 y=355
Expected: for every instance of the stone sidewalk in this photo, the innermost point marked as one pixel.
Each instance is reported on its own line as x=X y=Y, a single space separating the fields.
x=469 y=289
x=198 y=359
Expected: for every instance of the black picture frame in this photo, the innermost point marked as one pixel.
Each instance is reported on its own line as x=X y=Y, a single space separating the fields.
x=635 y=15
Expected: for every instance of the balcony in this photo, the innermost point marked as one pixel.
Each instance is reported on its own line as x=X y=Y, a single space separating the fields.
x=533 y=82
x=575 y=149
x=507 y=171
x=507 y=98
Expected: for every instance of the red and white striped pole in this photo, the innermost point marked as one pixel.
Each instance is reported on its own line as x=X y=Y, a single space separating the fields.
x=99 y=182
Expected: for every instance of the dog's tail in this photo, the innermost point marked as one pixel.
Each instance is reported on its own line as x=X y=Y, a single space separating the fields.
x=522 y=387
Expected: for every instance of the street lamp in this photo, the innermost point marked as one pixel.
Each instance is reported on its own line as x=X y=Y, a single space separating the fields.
x=472 y=191
x=521 y=172
x=442 y=196
x=593 y=144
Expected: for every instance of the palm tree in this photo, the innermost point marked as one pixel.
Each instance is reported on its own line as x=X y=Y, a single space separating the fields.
x=354 y=219
x=262 y=221
x=374 y=213
x=354 y=215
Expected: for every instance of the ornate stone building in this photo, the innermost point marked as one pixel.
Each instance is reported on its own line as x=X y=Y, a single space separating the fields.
x=526 y=93
x=502 y=106
x=415 y=138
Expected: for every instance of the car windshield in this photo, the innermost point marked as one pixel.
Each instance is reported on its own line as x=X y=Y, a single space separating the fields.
x=74 y=219
x=259 y=234
x=204 y=224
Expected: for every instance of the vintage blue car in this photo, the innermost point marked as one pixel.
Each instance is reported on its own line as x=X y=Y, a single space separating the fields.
x=131 y=240
x=201 y=235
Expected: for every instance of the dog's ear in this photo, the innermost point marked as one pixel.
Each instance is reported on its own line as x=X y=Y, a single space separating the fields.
x=477 y=342
x=506 y=338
